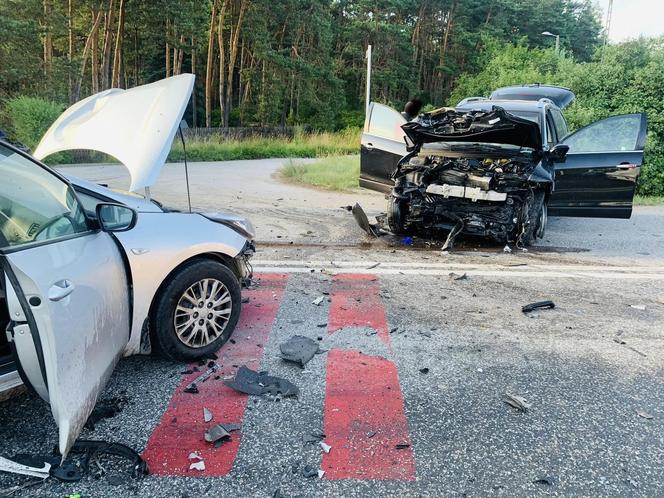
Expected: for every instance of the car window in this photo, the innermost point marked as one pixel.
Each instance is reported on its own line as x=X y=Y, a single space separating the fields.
x=560 y=123
x=35 y=205
x=617 y=133
x=385 y=122
x=549 y=130
x=88 y=201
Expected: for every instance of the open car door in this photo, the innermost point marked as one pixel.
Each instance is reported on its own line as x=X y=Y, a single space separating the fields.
x=383 y=146
x=67 y=291
x=599 y=176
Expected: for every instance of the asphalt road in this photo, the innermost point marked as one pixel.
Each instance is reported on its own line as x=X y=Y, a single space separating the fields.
x=414 y=353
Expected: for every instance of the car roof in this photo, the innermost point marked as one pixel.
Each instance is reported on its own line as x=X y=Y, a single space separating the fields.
x=482 y=104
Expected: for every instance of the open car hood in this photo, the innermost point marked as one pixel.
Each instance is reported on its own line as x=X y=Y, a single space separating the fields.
x=136 y=126
x=495 y=127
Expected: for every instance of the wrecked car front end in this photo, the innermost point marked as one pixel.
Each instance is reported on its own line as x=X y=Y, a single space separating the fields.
x=478 y=173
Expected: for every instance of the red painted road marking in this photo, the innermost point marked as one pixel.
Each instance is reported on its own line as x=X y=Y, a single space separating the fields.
x=363 y=397
x=356 y=302
x=181 y=428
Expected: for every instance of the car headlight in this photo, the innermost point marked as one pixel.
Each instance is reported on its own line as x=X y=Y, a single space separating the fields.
x=241 y=225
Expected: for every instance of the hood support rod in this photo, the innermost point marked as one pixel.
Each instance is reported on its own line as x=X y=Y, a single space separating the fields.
x=186 y=169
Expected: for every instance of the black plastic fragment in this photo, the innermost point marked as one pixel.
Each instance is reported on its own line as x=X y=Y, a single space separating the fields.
x=299 y=349
x=105 y=409
x=538 y=305
x=67 y=472
x=254 y=383
x=309 y=471
x=402 y=446
x=89 y=449
x=362 y=220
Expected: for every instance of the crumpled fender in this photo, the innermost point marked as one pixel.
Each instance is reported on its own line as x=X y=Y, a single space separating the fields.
x=540 y=176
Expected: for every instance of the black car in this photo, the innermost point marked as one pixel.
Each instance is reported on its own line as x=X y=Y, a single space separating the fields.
x=498 y=166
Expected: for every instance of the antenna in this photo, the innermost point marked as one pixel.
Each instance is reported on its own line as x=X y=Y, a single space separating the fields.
x=186 y=168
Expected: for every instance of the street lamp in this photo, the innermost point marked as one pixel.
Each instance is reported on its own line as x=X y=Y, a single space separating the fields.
x=548 y=33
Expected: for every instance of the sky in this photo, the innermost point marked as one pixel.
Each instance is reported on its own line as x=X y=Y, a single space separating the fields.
x=632 y=18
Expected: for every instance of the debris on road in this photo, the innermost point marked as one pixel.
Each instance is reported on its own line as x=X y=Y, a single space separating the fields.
x=455 y=276
x=507 y=249
x=645 y=415
x=17 y=468
x=309 y=471
x=106 y=409
x=362 y=220
x=207 y=415
x=217 y=433
x=640 y=307
x=200 y=465
x=321 y=473
x=192 y=387
x=71 y=471
x=195 y=455
x=375 y=265
x=318 y=300
x=326 y=447
x=254 y=383
x=299 y=349
x=402 y=446
x=546 y=481
x=371 y=434
x=313 y=437
x=538 y=306
x=516 y=401
x=424 y=370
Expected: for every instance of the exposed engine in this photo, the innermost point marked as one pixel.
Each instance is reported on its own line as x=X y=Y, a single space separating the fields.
x=489 y=196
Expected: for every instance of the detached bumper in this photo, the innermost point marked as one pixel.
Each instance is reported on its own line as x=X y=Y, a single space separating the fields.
x=243 y=267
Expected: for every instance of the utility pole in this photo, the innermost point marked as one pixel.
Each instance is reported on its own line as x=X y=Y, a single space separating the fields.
x=607 y=28
x=368 y=90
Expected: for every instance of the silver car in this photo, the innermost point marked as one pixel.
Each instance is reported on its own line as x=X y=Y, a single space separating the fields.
x=88 y=274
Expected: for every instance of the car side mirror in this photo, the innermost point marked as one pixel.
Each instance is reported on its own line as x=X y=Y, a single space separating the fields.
x=115 y=217
x=558 y=153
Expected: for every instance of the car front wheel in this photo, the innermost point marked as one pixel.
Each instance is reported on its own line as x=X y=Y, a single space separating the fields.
x=196 y=312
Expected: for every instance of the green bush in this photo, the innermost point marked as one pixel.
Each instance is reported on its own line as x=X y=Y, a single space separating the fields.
x=29 y=118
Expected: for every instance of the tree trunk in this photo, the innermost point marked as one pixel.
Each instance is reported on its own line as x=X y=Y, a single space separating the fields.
x=117 y=56
x=208 y=68
x=108 y=41
x=94 y=62
x=193 y=94
x=48 y=38
x=88 y=43
x=168 y=49
x=70 y=49
x=222 y=55
x=444 y=45
x=232 y=57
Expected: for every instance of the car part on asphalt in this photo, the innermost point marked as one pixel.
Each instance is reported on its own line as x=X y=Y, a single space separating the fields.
x=258 y=383
x=326 y=447
x=362 y=220
x=7 y=465
x=217 y=433
x=192 y=387
x=538 y=306
x=200 y=465
x=309 y=471
x=318 y=300
x=517 y=402
x=106 y=409
x=207 y=415
x=313 y=437
x=299 y=349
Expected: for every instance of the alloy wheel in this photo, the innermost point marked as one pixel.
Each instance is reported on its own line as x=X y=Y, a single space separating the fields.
x=202 y=313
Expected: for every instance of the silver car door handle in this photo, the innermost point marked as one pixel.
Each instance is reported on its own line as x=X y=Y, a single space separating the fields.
x=626 y=166
x=60 y=290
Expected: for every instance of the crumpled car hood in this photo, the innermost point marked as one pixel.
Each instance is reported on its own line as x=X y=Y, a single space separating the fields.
x=136 y=126
x=495 y=127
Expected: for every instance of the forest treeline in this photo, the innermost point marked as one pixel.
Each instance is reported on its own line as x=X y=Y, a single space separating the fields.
x=274 y=62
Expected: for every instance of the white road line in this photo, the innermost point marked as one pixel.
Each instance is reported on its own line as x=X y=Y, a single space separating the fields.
x=577 y=271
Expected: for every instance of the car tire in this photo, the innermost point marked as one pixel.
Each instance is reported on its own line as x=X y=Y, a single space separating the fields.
x=395 y=215
x=182 y=329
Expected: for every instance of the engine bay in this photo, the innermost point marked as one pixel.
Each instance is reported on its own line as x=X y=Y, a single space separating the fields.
x=484 y=196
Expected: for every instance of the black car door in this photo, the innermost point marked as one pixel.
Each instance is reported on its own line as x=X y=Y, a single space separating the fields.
x=383 y=146
x=599 y=175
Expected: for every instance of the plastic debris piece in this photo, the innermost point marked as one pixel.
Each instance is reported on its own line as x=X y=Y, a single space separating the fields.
x=313 y=437
x=254 y=383
x=424 y=370
x=640 y=307
x=546 y=481
x=375 y=265
x=299 y=349
x=214 y=434
x=516 y=401
x=507 y=249
x=200 y=465
x=309 y=471
x=402 y=446
x=192 y=387
x=645 y=415
x=326 y=447
x=105 y=409
x=407 y=241
x=371 y=434
x=17 y=468
x=195 y=455
x=318 y=300
x=538 y=306
x=362 y=220
x=321 y=473
x=207 y=414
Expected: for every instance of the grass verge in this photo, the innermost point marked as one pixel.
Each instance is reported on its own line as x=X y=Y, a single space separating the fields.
x=650 y=200
x=302 y=145
x=331 y=173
